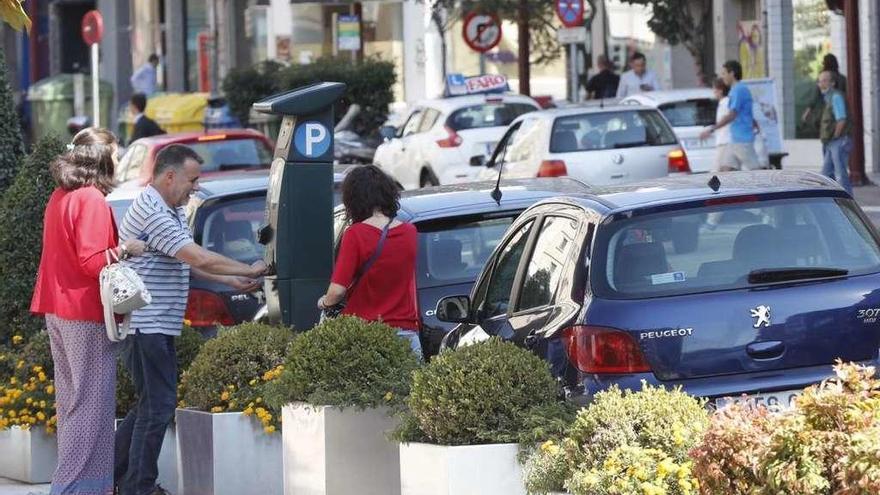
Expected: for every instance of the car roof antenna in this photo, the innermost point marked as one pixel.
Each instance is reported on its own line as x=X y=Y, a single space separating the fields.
x=715 y=183
x=496 y=193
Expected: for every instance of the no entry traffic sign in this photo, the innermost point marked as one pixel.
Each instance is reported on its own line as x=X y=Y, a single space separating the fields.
x=570 y=12
x=92 y=27
x=481 y=32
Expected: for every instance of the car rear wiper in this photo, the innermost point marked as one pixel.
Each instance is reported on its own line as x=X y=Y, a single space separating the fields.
x=769 y=275
x=630 y=145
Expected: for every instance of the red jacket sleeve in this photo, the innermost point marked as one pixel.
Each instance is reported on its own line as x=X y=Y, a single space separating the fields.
x=93 y=230
x=348 y=258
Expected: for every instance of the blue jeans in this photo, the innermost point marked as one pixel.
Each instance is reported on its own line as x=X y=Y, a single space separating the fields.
x=413 y=337
x=152 y=363
x=835 y=162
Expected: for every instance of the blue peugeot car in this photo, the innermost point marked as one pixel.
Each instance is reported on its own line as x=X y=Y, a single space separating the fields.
x=780 y=280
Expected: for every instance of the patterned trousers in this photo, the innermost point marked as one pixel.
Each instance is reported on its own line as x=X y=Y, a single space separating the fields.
x=85 y=400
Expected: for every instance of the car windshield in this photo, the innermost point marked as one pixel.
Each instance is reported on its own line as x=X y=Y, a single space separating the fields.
x=487 y=115
x=731 y=246
x=232 y=154
x=119 y=208
x=610 y=130
x=454 y=251
x=690 y=113
x=230 y=228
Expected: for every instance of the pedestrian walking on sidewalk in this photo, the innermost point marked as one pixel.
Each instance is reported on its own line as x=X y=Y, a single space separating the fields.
x=376 y=265
x=157 y=215
x=834 y=129
x=78 y=230
x=145 y=79
x=813 y=113
x=722 y=134
x=740 y=152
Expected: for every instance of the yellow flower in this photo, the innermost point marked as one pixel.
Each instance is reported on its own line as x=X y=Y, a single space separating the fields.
x=42 y=376
x=42 y=404
x=17 y=339
x=269 y=430
x=13 y=380
x=258 y=400
x=50 y=390
x=388 y=396
x=216 y=409
x=20 y=364
x=231 y=387
x=248 y=411
x=224 y=396
x=41 y=416
x=252 y=382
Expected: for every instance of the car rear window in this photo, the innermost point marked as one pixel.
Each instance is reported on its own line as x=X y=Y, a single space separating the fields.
x=232 y=154
x=716 y=247
x=230 y=228
x=455 y=251
x=690 y=113
x=487 y=115
x=610 y=130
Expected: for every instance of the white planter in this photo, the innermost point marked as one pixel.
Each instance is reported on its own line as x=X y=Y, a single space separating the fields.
x=28 y=455
x=427 y=469
x=226 y=454
x=328 y=451
x=168 y=471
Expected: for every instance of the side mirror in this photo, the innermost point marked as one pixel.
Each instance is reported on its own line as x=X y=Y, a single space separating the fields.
x=478 y=161
x=387 y=132
x=454 y=309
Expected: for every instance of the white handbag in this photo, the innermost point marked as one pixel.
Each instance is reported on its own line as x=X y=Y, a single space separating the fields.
x=122 y=291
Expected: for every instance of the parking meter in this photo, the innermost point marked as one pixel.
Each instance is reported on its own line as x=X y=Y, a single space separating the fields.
x=298 y=231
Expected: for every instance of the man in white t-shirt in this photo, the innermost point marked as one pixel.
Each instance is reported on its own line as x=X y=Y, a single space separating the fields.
x=638 y=79
x=722 y=135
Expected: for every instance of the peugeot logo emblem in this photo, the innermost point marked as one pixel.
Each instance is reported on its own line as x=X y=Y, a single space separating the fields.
x=761 y=315
x=617 y=159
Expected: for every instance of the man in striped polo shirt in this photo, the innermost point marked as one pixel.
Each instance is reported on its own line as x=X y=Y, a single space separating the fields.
x=157 y=216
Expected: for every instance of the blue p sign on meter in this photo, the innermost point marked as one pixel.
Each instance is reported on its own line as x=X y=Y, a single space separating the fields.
x=312 y=140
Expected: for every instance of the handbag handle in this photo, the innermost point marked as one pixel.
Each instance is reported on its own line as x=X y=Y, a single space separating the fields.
x=108 y=254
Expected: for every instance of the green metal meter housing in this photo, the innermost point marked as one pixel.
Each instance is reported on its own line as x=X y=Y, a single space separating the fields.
x=299 y=204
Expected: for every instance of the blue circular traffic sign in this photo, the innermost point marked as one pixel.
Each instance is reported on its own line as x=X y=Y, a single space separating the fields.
x=311 y=139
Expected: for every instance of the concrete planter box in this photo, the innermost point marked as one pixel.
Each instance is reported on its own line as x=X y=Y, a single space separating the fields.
x=168 y=470
x=328 y=451
x=226 y=454
x=28 y=455
x=427 y=469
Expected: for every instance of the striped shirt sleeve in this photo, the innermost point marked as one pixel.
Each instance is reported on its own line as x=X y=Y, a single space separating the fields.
x=165 y=233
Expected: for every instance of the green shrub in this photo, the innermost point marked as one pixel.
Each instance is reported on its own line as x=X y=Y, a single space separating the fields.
x=11 y=144
x=655 y=426
x=242 y=87
x=346 y=362
x=229 y=371
x=369 y=84
x=21 y=239
x=7 y=363
x=187 y=347
x=491 y=392
x=828 y=443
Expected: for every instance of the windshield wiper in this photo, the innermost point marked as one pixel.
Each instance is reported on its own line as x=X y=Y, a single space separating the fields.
x=769 y=275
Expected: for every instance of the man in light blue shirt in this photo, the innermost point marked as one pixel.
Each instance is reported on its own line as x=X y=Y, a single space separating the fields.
x=144 y=80
x=740 y=153
x=834 y=130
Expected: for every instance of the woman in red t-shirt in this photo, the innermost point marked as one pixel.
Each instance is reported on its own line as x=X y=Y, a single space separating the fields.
x=386 y=291
x=78 y=231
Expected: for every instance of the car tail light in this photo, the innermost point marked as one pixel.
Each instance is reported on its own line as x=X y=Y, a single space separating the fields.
x=552 y=168
x=205 y=309
x=603 y=350
x=453 y=140
x=678 y=161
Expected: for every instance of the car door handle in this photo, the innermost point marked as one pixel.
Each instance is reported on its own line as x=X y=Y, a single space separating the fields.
x=770 y=349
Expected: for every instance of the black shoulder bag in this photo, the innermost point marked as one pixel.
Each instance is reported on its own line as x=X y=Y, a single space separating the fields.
x=336 y=309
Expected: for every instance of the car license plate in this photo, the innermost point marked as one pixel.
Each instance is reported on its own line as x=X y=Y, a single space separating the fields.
x=774 y=401
x=695 y=144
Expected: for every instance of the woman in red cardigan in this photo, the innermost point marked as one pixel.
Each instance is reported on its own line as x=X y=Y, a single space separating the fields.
x=78 y=229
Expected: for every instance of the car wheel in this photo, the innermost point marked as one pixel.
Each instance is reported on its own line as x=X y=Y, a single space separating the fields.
x=428 y=179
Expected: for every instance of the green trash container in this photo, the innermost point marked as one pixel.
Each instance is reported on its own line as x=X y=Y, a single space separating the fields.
x=51 y=102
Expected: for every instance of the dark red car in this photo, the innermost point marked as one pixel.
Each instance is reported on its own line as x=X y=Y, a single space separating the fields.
x=223 y=150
